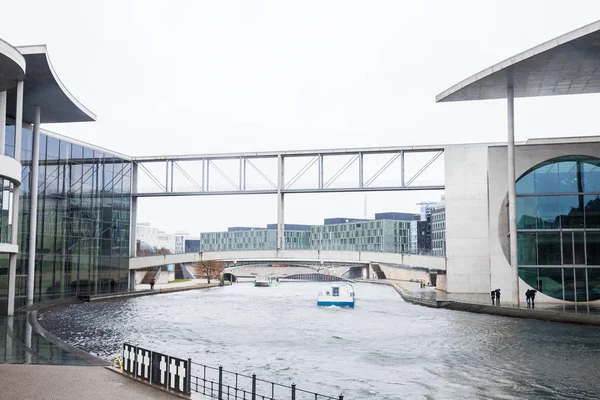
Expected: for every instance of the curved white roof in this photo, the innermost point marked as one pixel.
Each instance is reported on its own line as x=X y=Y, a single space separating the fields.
x=12 y=66
x=568 y=64
x=44 y=88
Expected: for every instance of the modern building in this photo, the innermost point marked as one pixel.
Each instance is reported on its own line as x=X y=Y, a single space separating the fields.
x=438 y=230
x=180 y=238
x=253 y=239
x=64 y=226
x=526 y=215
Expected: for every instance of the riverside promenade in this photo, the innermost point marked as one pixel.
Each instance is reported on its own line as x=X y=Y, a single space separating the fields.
x=481 y=304
x=35 y=364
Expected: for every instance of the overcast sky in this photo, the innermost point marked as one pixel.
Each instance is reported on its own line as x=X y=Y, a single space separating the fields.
x=179 y=77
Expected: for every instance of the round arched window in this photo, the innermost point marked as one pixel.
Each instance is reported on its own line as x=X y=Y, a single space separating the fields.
x=558 y=228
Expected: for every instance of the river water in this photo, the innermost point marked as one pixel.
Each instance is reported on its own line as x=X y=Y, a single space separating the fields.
x=383 y=349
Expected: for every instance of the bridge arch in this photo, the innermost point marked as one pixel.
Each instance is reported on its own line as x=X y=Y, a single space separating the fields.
x=228 y=276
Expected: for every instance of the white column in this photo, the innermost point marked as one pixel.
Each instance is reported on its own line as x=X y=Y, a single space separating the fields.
x=12 y=270
x=280 y=206
x=512 y=195
x=35 y=162
x=2 y=121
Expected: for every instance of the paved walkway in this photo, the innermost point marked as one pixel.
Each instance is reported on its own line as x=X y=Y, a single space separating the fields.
x=484 y=299
x=52 y=382
x=192 y=282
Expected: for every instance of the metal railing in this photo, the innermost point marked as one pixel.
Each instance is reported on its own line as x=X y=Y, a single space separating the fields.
x=218 y=383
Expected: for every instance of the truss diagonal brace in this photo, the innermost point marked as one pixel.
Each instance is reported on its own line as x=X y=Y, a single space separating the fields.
x=152 y=177
x=224 y=175
x=435 y=157
x=266 y=178
x=341 y=171
x=302 y=171
x=383 y=168
x=187 y=176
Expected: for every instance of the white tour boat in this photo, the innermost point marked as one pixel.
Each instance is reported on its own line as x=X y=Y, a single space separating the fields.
x=336 y=294
x=266 y=280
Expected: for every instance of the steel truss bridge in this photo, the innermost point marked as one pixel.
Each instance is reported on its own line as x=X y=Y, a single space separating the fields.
x=190 y=175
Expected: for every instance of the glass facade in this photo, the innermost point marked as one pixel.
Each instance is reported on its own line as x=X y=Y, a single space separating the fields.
x=558 y=228
x=259 y=239
x=83 y=212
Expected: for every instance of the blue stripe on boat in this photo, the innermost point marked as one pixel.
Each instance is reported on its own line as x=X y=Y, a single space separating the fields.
x=336 y=303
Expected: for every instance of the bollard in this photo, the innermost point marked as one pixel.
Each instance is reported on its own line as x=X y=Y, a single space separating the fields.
x=293 y=391
x=220 y=393
x=253 y=386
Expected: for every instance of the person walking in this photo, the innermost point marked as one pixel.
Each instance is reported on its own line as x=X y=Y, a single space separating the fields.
x=532 y=296
x=528 y=298
x=493 y=294
x=152 y=282
x=498 y=297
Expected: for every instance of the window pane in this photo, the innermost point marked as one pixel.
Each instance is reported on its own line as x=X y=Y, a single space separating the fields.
x=550 y=282
x=526 y=215
x=549 y=248
x=525 y=184
x=592 y=212
x=548 y=212
x=593 y=248
x=593 y=284
x=567 y=245
x=546 y=179
x=580 y=294
x=529 y=276
x=569 y=284
x=579 y=247
x=591 y=177
x=571 y=211
x=568 y=177
x=527 y=248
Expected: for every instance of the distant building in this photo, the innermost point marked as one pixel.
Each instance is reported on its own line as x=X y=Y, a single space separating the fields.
x=192 y=246
x=180 y=238
x=256 y=239
x=438 y=231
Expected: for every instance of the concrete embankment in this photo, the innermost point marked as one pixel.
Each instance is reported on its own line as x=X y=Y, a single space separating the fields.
x=138 y=293
x=504 y=311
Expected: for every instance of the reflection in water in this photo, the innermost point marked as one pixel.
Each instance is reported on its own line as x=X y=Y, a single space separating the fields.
x=383 y=349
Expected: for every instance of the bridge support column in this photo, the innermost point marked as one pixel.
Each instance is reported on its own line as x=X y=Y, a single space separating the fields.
x=280 y=204
x=133 y=215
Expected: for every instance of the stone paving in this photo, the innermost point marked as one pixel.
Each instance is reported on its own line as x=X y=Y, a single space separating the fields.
x=53 y=382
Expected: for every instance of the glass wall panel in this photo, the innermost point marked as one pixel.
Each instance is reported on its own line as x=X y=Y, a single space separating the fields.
x=593 y=248
x=525 y=185
x=592 y=211
x=548 y=212
x=549 y=248
x=567 y=246
x=580 y=285
x=527 y=248
x=569 y=284
x=579 y=248
x=593 y=279
x=568 y=177
x=546 y=178
x=571 y=211
x=550 y=282
x=529 y=276
x=526 y=212
x=591 y=176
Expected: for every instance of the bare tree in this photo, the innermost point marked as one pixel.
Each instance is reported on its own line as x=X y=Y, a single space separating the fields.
x=208 y=269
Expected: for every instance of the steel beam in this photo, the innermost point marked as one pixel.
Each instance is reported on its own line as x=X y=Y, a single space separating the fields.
x=280 y=204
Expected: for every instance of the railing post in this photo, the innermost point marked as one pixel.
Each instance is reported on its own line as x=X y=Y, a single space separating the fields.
x=253 y=386
x=220 y=383
x=293 y=391
x=189 y=377
x=341 y=397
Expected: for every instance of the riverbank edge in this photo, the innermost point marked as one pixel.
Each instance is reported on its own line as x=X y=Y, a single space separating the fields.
x=139 y=293
x=156 y=387
x=34 y=312
x=551 y=316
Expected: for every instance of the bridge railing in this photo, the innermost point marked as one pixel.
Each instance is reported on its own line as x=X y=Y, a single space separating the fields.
x=219 y=383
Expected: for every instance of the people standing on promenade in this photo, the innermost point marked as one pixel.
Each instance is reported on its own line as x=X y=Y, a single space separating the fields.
x=528 y=297
x=493 y=293
x=498 y=297
x=532 y=296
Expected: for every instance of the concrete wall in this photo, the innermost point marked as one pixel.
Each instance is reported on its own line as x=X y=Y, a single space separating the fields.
x=442 y=283
x=526 y=157
x=467 y=262
x=403 y=274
